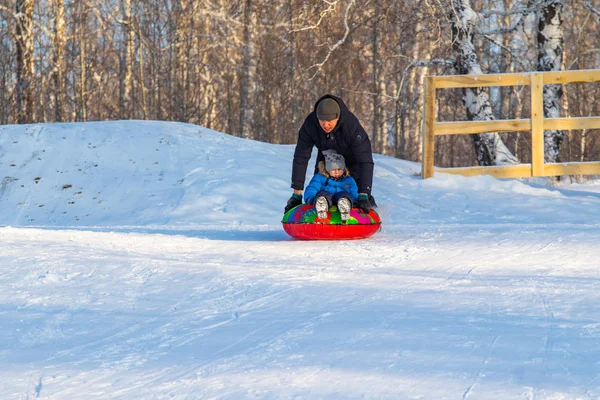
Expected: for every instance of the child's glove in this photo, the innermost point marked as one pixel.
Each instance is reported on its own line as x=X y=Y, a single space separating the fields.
x=294 y=201
x=363 y=203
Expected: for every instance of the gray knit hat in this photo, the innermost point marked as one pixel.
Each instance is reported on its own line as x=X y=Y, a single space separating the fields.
x=333 y=160
x=328 y=109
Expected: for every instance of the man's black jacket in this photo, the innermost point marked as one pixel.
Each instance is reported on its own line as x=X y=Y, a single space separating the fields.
x=348 y=138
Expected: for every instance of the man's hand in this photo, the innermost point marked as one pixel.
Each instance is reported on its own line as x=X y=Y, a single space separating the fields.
x=294 y=201
x=363 y=203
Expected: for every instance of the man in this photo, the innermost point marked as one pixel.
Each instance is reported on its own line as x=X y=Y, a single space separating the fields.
x=332 y=126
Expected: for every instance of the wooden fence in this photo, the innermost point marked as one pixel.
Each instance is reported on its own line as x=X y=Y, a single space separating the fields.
x=536 y=124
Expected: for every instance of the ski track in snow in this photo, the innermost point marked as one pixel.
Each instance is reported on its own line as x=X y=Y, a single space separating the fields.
x=282 y=316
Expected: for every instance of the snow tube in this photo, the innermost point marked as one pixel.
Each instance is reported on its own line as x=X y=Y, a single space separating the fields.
x=302 y=222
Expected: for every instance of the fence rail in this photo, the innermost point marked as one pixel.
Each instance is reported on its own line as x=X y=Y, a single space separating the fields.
x=536 y=124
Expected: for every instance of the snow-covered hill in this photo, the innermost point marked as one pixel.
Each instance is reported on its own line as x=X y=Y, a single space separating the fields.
x=146 y=260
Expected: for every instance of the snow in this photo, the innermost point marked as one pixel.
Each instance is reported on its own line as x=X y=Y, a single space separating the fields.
x=148 y=261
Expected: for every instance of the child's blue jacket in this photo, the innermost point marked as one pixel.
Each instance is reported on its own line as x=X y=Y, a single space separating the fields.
x=321 y=182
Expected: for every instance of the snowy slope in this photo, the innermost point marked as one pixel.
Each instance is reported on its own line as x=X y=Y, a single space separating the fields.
x=146 y=260
x=132 y=172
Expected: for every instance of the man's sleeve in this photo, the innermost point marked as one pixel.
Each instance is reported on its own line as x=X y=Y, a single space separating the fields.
x=361 y=148
x=301 y=156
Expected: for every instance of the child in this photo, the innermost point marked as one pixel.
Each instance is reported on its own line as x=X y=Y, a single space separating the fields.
x=332 y=186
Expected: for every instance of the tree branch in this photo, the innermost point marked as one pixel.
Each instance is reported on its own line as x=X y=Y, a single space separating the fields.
x=323 y=14
x=522 y=10
x=526 y=66
x=319 y=66
x=588 y=4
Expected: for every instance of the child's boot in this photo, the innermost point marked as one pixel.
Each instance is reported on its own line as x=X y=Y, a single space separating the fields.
x=344 y=206
x=322 y=206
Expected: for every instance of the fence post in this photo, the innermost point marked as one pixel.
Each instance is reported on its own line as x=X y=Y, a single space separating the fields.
x=537 y=124
x=427 y=135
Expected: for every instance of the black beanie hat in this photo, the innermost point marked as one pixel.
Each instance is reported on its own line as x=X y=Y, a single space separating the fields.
x=328 y=109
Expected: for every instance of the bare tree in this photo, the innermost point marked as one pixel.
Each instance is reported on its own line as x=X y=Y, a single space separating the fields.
x=141 y=54
x=376 y=90
x=550 y=49
x=247 y=72
x=25 y=91
x=58 y=59
x=82 y=110
x=489 y=147
x=126 y=86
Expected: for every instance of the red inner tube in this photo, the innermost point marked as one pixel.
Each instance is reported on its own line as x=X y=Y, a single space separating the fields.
x=302 y=222
x=330 y=232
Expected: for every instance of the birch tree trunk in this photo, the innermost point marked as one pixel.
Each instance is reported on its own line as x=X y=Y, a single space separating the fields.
x=412 y=131
x=489 y=148
x=376 y=133
x=82 y=101
x=228 y=77
x=248 y=75
x=6 y=107
x=58 y=58
x=125 y=104
x=25 y=68
x=506 y=66
x=142 y=84
x=550 y=56
x=182 y=34
x=289 y=135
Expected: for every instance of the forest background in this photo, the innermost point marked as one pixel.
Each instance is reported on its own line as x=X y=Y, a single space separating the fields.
x=254 y=68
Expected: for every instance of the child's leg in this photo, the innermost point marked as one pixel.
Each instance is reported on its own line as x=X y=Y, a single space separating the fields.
x=328 y=196
x=344 y=204
x=323 y=200
x=342 y=195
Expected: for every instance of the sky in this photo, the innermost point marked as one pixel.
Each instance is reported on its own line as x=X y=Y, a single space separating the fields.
x=146 y=260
